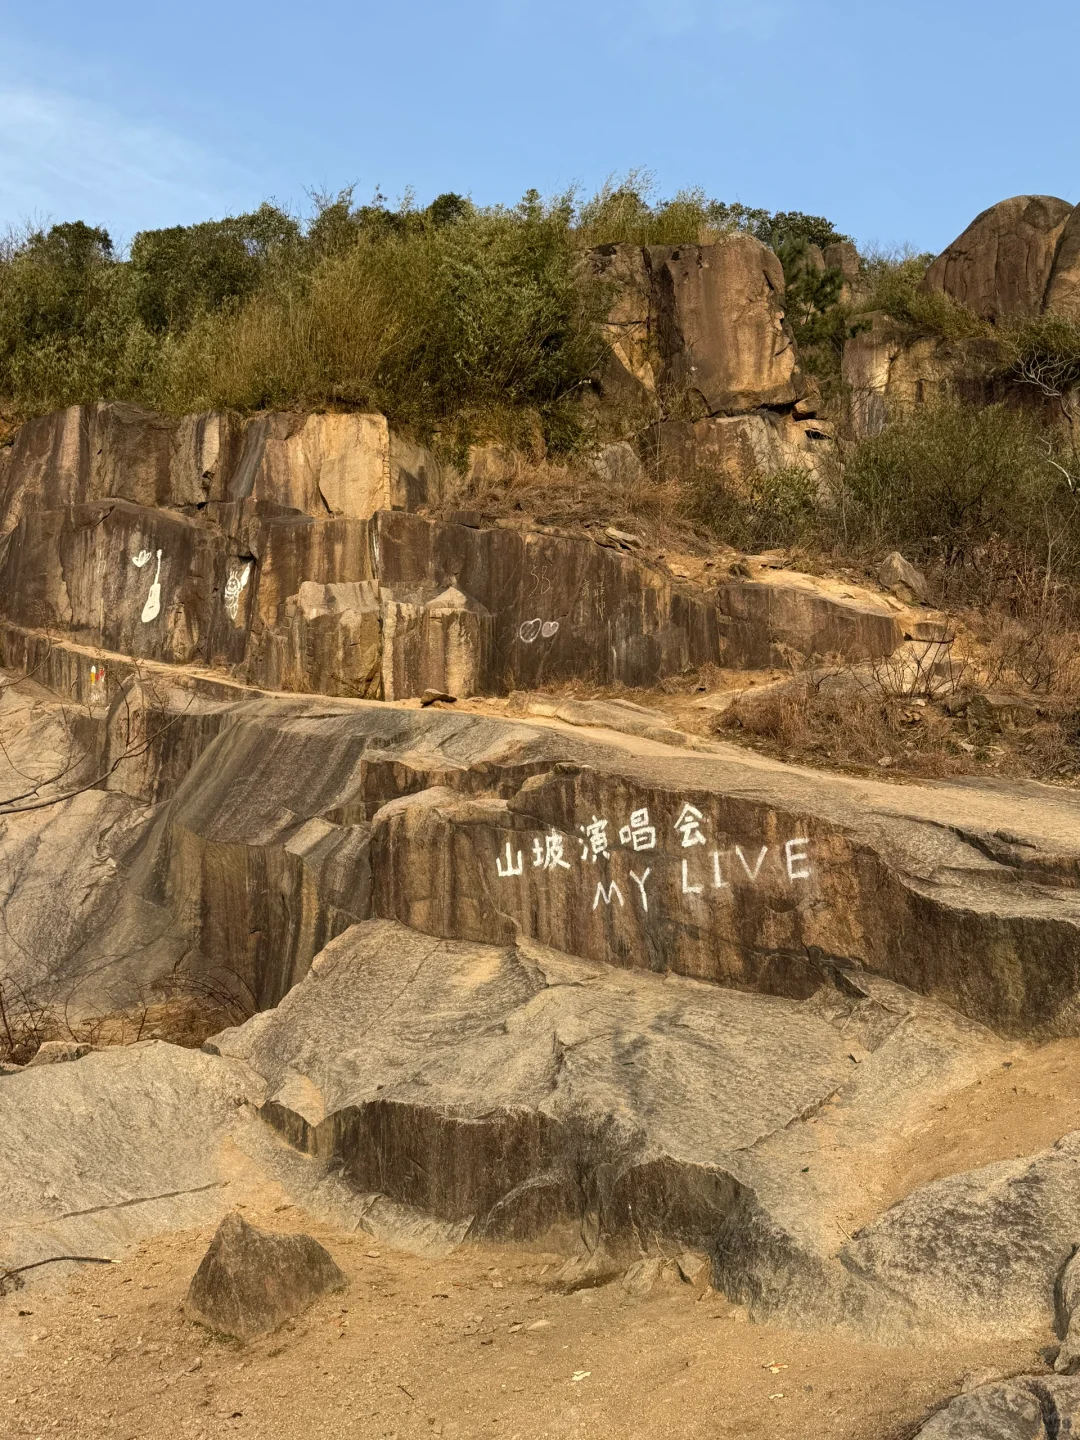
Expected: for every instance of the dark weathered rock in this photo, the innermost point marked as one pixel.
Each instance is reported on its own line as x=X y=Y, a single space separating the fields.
x=843 y=256
x=1066 y=1307
x=1001 y=265
x=251 y=1281
x=444 y=643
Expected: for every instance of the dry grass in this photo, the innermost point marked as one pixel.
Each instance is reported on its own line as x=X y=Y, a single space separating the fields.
x=186 y=1017
x=861 y=727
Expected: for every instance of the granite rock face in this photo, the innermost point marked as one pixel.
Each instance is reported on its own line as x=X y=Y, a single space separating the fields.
x=698 y=332
x=889 y=372
x=1063 y=289
x=717 y=313
x=264 y=578
x=280 y=823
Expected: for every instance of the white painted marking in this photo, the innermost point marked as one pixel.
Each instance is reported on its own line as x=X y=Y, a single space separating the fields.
x=549 y=628
x=797 y=857
x=510 y=869
x=719 y=883
x=233 y=586
x=689 y=826
x=152 y=609
x=605 y=895
x=529 y=630
x=640 y=883
x=753 y=874
x=687 y=888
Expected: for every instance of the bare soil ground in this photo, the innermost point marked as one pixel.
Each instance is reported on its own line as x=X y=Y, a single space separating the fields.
x=473 y=1345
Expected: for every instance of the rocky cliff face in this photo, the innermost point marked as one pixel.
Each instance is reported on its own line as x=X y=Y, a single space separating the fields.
x=698 y=339
x=283 y=551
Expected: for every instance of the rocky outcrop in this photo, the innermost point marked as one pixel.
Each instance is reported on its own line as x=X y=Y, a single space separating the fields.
x=700 y=322
x=289 y=822
x=250 y=1282
x=776 y=617
x=318 y=465
x=1001 y=265
x=717 y=314
x=738 y=448
x=698 y=338
x=531 y=982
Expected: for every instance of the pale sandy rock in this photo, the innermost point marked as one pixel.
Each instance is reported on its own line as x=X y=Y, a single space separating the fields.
x=843 y=256
x=631 y=372
x=888 y=373
x=54 y=1052
x=775 y=613
x=900 y=576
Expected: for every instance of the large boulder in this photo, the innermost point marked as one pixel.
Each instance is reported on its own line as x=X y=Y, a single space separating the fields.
x=1063 y=291
x=1000 y=266
x=250 y=1281
x=717 y=312
x=701 y=326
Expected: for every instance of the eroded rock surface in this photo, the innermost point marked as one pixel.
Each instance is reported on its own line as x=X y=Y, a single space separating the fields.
x=281 y=822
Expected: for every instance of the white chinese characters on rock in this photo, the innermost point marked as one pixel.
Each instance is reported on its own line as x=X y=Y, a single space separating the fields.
x=718 y=869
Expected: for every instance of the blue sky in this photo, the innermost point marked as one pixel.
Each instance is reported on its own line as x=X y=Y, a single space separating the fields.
x=898 y=119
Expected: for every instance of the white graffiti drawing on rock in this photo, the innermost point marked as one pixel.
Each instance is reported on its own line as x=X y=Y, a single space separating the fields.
x=233 y=586
x=696 y=875
x=152 y=609
x=530 y=630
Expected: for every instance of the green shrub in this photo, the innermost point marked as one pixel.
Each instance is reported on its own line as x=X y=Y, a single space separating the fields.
x=456 y=320
x=439 y=326
x=188 y=270
x=970 y=491
x=779 y=510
